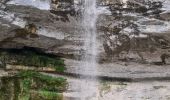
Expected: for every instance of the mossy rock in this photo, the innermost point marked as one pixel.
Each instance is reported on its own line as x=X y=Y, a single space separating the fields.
x=31 y=85
x=44 y=82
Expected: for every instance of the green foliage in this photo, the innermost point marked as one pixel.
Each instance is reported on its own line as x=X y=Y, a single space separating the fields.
x=50 y=95
x=43 y=82
x=31 y=85
x=4 y=89
x=29 y=58
x=26 y=86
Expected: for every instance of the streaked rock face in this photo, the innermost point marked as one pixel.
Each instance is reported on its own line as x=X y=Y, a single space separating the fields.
x=69 y=31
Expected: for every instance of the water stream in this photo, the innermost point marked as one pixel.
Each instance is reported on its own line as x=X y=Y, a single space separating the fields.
x=89 y=86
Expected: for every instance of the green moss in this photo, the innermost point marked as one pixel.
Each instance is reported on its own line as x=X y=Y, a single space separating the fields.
x=30 y=58
x=43 y=82
x=31 y=85
x=26 y=86
x=50 y=95
x=6 y=88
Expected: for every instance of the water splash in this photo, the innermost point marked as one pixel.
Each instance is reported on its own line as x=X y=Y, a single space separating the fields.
x=89 y=86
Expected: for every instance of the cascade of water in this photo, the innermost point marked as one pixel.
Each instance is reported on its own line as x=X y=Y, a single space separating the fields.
x=125 y=2
x=89 y=67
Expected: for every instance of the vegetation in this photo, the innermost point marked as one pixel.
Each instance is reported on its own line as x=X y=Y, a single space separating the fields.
x=51 y=83
x=48 y=95
x=31 y=58
x=31 y=85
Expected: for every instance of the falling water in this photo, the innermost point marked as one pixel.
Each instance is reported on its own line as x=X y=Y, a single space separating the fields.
x=125 y=3
x=89 y=63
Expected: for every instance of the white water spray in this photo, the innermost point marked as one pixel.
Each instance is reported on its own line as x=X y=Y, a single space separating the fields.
x=125 y=3
x=89 y=86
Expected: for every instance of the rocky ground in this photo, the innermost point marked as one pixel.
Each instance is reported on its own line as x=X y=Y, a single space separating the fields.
x=116 y=90
x=136 y=91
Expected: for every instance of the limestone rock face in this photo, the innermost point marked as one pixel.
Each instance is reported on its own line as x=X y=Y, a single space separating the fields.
x=61 y=33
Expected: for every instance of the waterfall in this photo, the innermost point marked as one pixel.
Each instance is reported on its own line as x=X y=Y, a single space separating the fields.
x=125 y=2
x=89 y=86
